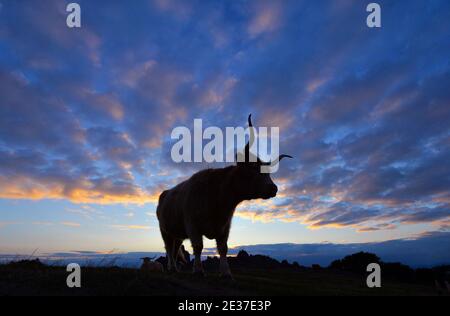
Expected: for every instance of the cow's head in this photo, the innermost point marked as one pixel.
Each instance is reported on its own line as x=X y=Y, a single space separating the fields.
x=252 y=182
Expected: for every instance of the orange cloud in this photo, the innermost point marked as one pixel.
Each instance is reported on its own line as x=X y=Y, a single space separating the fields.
x=82 y=191
x=131 y=227
x=107 y=103
x=267 y=18
x=71 y=224
x=4 y=224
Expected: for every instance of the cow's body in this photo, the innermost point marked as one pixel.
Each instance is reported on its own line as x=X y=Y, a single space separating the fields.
x=204 y=205
x=199 y=206
x=201 y=203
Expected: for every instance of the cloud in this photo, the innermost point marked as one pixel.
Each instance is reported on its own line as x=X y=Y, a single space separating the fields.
x=48 y=154
x=98 y=191
x=71 y=224
x=179 y=8
x=86 y=116
x=4 y=223
x=130 y=227
x=47 y=20
x=266 y=18
x=40 y=223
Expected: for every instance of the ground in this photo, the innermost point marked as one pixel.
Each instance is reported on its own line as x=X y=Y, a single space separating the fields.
x=43 y=280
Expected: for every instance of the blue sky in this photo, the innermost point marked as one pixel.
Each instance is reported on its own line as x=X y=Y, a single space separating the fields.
x=86 y=116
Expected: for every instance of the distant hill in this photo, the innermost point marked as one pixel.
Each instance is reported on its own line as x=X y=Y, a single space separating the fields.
x=428 y=250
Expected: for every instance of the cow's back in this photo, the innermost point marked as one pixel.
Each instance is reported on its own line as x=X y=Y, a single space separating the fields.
x=199 y=203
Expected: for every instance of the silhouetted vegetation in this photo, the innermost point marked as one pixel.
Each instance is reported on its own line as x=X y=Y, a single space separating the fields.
x=358 y=262
x=355 y=263
x=255 y=275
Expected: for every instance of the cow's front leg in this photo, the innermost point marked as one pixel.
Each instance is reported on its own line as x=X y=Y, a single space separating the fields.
x=222 y=248
x=169 y=243
x=197 y=245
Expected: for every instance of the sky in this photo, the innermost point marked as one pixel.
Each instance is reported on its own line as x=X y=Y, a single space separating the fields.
x=86 y=117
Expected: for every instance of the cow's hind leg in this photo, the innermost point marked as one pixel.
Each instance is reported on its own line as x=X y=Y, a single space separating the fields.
x=169 y=243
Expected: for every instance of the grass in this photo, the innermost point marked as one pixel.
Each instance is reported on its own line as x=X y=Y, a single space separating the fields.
x=51 y=280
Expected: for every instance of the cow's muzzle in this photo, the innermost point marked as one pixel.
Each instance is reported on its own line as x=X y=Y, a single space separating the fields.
x=271 y=192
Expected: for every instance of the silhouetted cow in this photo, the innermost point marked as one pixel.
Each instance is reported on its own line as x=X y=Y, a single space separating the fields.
x=204 y=205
